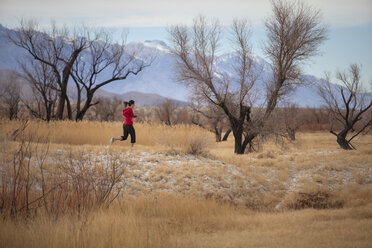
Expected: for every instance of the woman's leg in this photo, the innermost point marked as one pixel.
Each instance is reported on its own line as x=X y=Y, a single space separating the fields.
x=124 y=137
x=132 y=135
x=126 y=130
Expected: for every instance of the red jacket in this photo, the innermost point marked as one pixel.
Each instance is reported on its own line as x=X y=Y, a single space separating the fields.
x=128 y=114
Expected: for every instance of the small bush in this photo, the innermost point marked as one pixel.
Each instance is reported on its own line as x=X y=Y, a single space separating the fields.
x=198 y=145
x=317 y=200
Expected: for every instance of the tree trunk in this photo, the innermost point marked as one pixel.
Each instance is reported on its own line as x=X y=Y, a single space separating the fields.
x=238 y=142
x=226 y=134
x=13 y=111
x=218 y=133
x=291 y=133
x=48 y=110
x=81 y=113
x=78 y=103
x=69 y=110
x=341 y=139
x=344 y=144
x=63 y=84
x=61 y=104
x=237 y=128
x=241 y=145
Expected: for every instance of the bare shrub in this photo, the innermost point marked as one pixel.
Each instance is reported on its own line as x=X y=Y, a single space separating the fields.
x=10 y=95
x=106 y=109
x=198 y=145
x=290 y=118
x=211 y=118
x=170 y=113
x=317 y=199
x=18 y=175
x=314 y=119
x=32 y=180
x=165 y=112
x=89 y=184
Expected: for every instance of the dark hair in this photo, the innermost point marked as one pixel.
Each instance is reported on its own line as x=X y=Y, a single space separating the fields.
x=130 y=103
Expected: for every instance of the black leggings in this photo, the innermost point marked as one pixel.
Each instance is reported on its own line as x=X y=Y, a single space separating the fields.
x=129 y=129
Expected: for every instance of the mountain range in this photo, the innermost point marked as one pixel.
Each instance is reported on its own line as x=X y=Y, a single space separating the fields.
x=158 y=81
x=142 y=99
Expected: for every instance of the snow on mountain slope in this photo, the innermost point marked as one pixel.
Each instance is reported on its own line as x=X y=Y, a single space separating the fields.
x=158 y=78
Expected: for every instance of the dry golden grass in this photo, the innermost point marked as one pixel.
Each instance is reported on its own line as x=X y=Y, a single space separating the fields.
x=170 y=221
x=312 y=149
x=216 y=199
x=99 y=133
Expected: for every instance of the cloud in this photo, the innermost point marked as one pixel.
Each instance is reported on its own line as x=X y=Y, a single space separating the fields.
x=166 y=12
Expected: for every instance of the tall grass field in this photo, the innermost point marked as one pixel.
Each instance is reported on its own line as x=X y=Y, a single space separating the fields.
x=62 y=185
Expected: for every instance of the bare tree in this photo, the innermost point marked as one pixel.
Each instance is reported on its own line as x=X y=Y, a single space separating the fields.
x=196 y=66
x=165 y=112
x=182 y=115
x=347 y=104
x=212 y=118
x=291 y=119
x=43 y=83
x=103 y=57
x=294 y=34
x=58 y=49
x=63 y=49
x=319 y=116
x=10 y=93
x=106 y=109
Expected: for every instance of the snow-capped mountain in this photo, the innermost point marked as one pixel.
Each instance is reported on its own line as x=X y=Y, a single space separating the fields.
x=159 y=78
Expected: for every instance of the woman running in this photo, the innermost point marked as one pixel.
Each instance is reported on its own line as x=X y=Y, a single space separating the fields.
x=128 y=124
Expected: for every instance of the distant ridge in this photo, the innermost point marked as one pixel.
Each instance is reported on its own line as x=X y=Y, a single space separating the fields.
x=149 y=99
x=142 y=99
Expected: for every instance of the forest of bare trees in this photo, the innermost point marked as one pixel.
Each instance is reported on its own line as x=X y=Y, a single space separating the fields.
x=79 y=58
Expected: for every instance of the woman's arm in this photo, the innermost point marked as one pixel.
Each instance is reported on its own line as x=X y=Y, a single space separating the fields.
x=132 y=114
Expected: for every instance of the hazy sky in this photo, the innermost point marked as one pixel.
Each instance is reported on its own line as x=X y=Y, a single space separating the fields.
x=165 y=12
x=350 y=21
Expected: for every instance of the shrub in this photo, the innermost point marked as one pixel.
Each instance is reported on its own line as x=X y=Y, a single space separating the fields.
x=33 y=180
x=317 y=200
x=198 y=145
